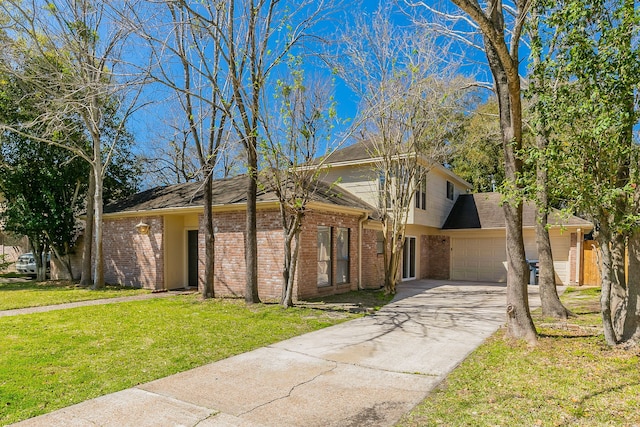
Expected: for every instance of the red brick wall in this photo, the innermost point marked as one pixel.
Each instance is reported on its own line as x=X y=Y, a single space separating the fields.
x=435 y=254
x=230 y=272
x=131 y=259
x=372 y=263
x=307 y=277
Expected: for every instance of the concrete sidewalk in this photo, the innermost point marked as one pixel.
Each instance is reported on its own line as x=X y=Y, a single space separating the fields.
x=86 y=303
x=369 y=371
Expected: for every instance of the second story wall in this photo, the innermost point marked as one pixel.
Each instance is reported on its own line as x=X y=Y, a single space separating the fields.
x=359 y=180
x=442 y=190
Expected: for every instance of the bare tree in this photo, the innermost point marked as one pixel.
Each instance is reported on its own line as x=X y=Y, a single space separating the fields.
x=252 y=37
x=81 y=50
x=409 y=98
x=189 y=63
x=500 y=26
x=297 y=138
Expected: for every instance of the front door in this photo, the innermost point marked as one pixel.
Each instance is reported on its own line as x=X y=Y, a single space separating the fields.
x=409 y=258
x=192 y=256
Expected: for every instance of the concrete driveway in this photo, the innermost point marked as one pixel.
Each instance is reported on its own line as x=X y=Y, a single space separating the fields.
x=369 y=371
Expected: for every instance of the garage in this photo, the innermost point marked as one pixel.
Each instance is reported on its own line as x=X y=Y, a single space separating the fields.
x=484 y=259
x=478 y=259
x=476 y=230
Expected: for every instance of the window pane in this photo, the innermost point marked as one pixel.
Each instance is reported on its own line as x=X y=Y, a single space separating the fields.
x=342 y=265
x=324 y=256
x=379 y=242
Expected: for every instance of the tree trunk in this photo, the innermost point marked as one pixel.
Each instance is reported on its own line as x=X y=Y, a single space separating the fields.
x=551 y=305
x=38 y=256
x=603 y=237
x=207 y=290
x=631 y=330
x=292 y=253
x=519 y=322
x=618 y=281
x=98 y=262
x=251 y=237
x=86 y=276
x=289 y=227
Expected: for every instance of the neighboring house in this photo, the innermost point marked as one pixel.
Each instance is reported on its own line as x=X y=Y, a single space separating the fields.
x=155 y=239
x=11 y=247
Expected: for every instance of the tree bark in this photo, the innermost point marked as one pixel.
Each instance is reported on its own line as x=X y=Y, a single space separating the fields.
x=519 y=322
x=207 y=290
x=603 y=237
x=98 y=262
x=618 y=282
x=551 y=305
x=86 y=276
x=251 y=237
x=631 y=330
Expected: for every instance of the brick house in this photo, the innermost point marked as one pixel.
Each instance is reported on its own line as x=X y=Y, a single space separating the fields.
x=450 y=235
x=169 y=254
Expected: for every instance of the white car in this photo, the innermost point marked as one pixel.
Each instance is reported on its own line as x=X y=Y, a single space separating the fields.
x=26 y=264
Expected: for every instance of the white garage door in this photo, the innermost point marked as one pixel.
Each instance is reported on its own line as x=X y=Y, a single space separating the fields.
x=480 y=259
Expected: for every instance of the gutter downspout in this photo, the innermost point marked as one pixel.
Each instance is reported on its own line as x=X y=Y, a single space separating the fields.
x=361 y=221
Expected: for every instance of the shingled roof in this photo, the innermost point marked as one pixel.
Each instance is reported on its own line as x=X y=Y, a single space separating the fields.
x=361 y=150
x=225 y=192
x=484 y=211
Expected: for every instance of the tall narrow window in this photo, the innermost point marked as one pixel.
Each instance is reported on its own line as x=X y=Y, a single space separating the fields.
x=342 y=264
x=324 y=256
x=449 y=190
x=379 y=243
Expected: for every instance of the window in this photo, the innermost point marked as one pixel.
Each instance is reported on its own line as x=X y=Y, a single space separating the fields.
x=324 y=256
x=342 y=265
x=379 y=242
x=449 y=190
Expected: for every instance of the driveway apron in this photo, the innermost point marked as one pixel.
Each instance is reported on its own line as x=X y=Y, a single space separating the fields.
x=368 y=371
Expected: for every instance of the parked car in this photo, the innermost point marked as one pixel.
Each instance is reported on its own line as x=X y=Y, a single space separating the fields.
x=26 y=264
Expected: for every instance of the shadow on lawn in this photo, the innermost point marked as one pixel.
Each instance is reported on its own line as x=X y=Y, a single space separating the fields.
x=365 y=301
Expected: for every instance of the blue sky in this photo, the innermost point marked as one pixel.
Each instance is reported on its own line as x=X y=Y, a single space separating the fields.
x=148 y=124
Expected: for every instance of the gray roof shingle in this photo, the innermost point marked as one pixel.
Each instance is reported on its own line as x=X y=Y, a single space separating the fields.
x=484 y=211
x=225 y=192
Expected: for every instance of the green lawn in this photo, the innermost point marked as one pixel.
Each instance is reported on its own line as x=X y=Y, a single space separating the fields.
x=20 y=294
x=55 y=359
x=570 y=379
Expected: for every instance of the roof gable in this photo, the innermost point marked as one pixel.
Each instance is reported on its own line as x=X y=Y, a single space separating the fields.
x=225 y=192
x=484 y=211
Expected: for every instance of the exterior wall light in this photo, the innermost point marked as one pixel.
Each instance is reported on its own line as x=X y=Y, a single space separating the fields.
x=143 y=228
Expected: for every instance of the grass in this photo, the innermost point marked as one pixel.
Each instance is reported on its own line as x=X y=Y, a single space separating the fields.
x=55 y=359
x=571 y=378
x=21 y=294
x=353 y=301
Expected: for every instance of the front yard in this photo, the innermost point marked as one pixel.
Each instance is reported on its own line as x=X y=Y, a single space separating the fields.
x=55 y=359
x=571 y=378
x=17 y=292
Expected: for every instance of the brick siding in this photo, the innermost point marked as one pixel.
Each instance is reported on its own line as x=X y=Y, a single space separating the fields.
x=372 y=262
x=132 y=259
x=435 y=254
